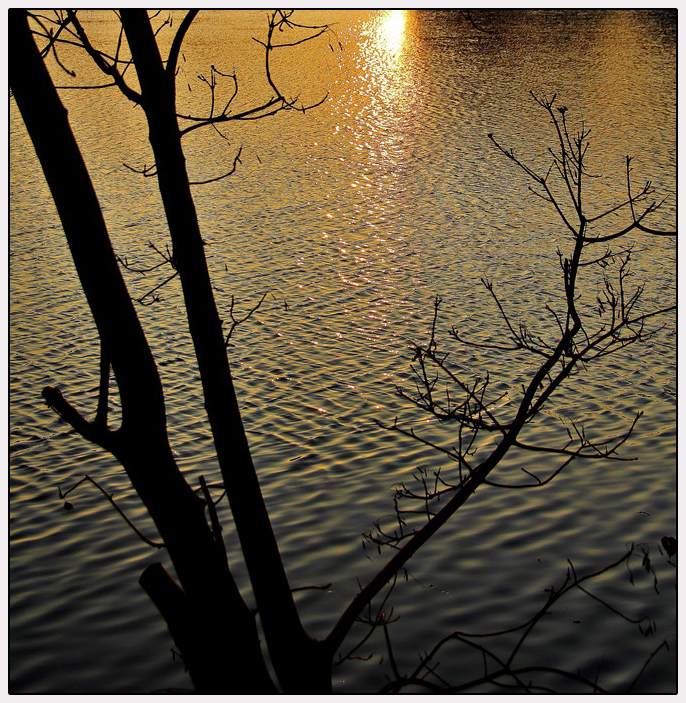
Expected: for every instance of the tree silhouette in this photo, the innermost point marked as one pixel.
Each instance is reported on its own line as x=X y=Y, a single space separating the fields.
x=222 y=653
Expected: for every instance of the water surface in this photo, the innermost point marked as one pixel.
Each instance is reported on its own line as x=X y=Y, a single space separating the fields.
x=353 y=217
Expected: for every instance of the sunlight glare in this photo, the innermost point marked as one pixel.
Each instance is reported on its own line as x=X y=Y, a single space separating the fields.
x=392 y=30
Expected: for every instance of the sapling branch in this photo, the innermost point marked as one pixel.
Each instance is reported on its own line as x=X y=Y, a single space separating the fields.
x=167 y=259
x=150 y=297
x=324 y=587
x=53 y=38
x=277 y=21
x=100 y=60
x=85 y=87
x=647 y=662
x=389 y=647
x=95 y=431
x=166 y=256
x=146 y=171
x=180 y=35
x=539 y=482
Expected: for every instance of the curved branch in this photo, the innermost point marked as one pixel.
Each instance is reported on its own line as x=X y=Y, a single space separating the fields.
x=180 y=35
x=157 y=545
x=658 y=232
x=539 y=483
x=85 y=87
x=236 y=161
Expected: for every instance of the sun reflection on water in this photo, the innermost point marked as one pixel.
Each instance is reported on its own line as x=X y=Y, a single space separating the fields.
x=386 y=88
x=392 y=32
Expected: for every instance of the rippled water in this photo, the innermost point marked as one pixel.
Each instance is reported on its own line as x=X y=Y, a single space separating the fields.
x=353 y=217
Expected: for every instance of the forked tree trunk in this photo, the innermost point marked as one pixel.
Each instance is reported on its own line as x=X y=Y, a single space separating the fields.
x=217 y=631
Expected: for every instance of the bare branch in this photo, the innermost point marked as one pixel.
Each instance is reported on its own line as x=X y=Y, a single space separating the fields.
x=645 y=666
x=101 y=63
x=325 y=587
x=110 y=498
x=558 y=360
x=146 y=171
x=236 y=161
x=277 y=21
x=236 y=321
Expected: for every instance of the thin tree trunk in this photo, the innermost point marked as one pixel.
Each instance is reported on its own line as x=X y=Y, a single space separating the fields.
x=220 y=624
x=300 y=662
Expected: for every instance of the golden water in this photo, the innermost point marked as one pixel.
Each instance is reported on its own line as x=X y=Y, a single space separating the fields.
x=355 y=215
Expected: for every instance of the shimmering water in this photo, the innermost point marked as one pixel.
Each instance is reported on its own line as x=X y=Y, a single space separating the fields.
x=353 y=217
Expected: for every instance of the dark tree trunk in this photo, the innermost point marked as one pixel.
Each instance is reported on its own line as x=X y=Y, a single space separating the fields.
x=302 y=664
x=225 y=652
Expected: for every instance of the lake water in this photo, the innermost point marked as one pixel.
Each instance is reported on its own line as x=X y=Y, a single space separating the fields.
x=353 y=217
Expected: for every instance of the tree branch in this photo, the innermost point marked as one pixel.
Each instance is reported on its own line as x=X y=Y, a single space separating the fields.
x=108 y=69
x=110 y=498
x=173 y=57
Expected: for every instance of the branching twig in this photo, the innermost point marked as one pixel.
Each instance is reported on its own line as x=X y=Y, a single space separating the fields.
x=236 y=321
x=278 y=21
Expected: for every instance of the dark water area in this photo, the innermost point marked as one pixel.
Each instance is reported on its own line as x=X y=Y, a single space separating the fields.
x=353 y=217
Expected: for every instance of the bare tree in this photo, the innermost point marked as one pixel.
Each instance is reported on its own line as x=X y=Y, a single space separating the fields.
x=587 y=327
x=222 y=652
